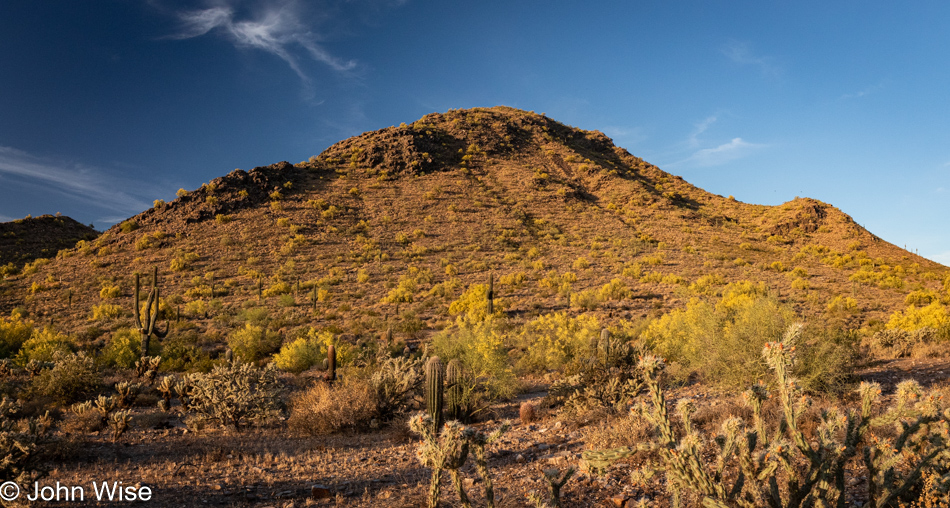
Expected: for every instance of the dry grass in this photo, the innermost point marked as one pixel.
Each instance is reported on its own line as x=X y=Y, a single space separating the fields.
x=326 y=408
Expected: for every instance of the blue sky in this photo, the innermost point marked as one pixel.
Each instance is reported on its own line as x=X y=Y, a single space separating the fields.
x=108 y=105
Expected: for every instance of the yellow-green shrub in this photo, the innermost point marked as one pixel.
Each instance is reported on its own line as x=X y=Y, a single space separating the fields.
x=553 y=341
x=914 y=318
x=123 y=349
x=299 y=355
x=105 y=311
x=253 y=343
x=13 y=333
x=109 y=292
x=472 y=305
x=842 y=304
x=43 y=345
x=480 y=347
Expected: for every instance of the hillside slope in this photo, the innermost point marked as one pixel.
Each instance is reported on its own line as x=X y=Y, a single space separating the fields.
x=24 y=240
x=389 y=227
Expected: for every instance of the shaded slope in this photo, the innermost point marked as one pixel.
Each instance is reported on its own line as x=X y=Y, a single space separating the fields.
x=24 y=240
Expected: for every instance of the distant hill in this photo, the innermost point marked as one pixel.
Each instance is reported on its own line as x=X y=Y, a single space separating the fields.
x=24 y=240
x=391 y=226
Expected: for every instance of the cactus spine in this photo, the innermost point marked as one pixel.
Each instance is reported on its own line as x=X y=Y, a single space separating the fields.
x=434 y=387
x=147 y=326
x=453 y=389
x=331 y=363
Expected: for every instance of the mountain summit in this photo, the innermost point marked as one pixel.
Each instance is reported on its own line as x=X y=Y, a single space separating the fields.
x=395 y=224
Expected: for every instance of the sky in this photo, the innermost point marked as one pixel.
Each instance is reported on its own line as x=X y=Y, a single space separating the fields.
x=108 y=105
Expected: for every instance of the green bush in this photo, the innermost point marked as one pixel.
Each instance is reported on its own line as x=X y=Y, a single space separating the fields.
x=123 y=349
x=480 y=348
x=553 y=342
x=13 y=333
x=180 y=352
x=723 y=343
x=299 y=355
x=43 y=345
x=72 y=378
x=253 y=343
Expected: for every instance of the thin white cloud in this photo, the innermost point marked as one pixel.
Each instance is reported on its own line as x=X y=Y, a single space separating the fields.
x=276 y=29
x=863 y=92
x=735 y=149
x=741 y=53
x=80 y=182
x=943 y=258
x=700 y=128
x=4 y=218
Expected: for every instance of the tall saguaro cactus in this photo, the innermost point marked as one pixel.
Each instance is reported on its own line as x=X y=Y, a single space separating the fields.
x=434 y=387
x=147 y=326
x=491 y=293
x=453 y=389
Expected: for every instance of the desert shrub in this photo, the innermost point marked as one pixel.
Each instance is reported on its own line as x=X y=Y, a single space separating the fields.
x=842 y=304
x=552 y=342
x=123 y=349
x=72 y=378
x=43 y=345
x=128 y=226
x=21 y=443
x=914 y=318
x=253 y=342
x=616 y=289
x=472 y=305
x=13 y=333
x=898 y=343
x=325 y=409
x=722 y=343
x=105 y=311
x=233 y=395
x=396 y=383
x=587 y=299
x=480 y=348
x=180 y=352
x=299 y=355
x=279 y=288
x=109 y=292
x=182 y=261
x=921 y=297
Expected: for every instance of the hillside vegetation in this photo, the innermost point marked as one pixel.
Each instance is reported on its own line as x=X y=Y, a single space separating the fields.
x=537 y=258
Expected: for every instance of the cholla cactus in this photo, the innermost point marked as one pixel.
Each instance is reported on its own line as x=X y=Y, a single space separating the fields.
x=20 y=441
x=396 y=382
x=166 y=387
x=119 y=423
x=449 y=450
x=127 y=393
x=147 y=367
x=778 y=466
x=556 y=481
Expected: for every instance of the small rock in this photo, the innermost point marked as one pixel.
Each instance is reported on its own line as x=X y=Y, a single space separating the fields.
x=619 y=501
x=519 y=458
x=217 y=486
x=320 y=492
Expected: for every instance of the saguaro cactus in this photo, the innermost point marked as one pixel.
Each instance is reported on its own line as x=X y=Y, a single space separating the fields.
x=453 y=389
x=331 y=363
x=147 y=326
x=491 y=293
x=434 y=387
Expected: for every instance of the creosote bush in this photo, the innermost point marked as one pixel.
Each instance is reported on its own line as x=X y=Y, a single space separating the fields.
x=72 y=378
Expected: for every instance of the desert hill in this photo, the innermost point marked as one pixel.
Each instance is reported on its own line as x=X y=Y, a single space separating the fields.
x=24 y=240
x=385 y=229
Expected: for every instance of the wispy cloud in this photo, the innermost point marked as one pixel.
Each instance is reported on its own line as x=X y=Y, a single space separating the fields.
x=83 y=183
x=742 y=53
x=275 y=27
x=726 y=152
x=863 y=92
x=700 y=128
